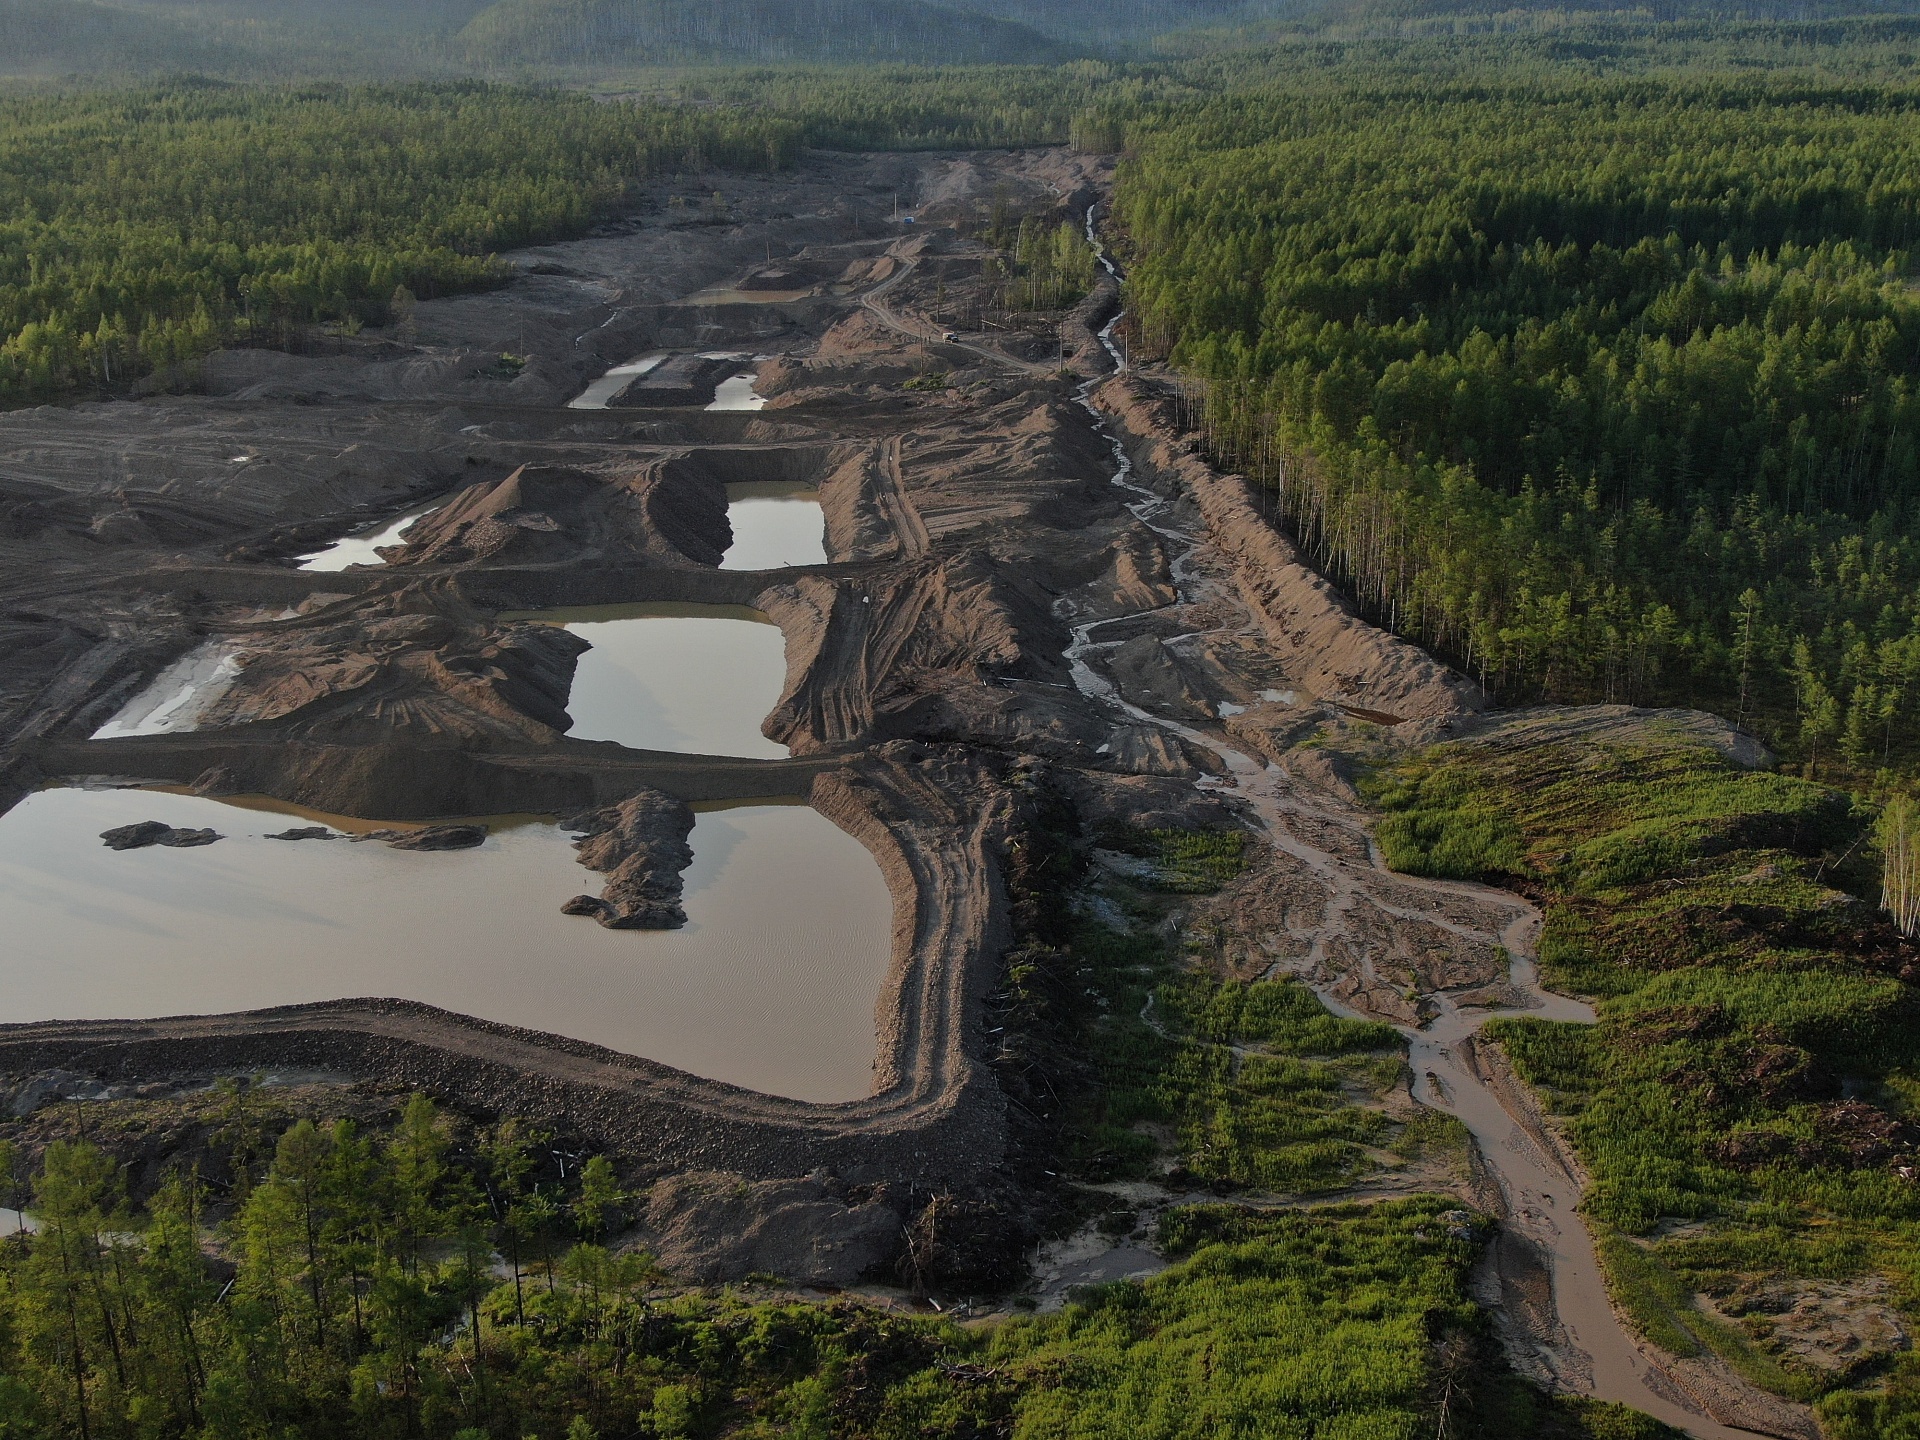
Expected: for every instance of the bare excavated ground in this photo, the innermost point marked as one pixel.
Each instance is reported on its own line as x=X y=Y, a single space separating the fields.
x=999 y=627
x=972 y=524
x=925 y=659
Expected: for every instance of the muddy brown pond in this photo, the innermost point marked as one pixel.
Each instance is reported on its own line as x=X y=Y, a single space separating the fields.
x=694 y=679
x=774 y=525
x=771 y=984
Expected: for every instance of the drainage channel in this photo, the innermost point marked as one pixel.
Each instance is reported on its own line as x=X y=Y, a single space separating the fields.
x=1596 y=1355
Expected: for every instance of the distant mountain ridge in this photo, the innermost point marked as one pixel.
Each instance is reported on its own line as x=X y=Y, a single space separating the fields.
x=267 y=38
x=680 y=31
x=286 y=39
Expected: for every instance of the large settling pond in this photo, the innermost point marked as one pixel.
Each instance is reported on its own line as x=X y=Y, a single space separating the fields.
x=695 y=679
x=771 y=984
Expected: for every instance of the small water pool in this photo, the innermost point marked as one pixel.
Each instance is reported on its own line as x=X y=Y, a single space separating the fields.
x=597 y=395
x=736 y=393
x=364 y=548
x=175 y=699
x=695 y=679
x=774 y=525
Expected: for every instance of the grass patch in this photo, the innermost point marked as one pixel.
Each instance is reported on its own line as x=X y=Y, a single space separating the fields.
x=1185 y=862
x=1750 y=1068
x=1662 y=1307
x=1436 y=825
x=1281 y=1014
x=1248 y=1084
x=1435 y=1135
x=1249 y=1079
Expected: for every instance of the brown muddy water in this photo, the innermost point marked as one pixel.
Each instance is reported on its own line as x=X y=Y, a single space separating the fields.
x=771 y=985
x=774 y=525
x=693 y=679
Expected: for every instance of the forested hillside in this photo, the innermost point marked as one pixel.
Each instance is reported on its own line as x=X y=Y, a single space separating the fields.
x=655 y=32
x=1099 y=23
x=1606 y=390
x=141 y=229
x=257 y=39
x=67 y=40
x=62 y=36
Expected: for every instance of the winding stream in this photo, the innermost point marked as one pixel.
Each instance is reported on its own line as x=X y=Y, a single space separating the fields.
x=1590 y=1352
x=771 y=985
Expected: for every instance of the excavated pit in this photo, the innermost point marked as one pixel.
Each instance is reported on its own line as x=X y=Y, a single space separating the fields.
x=394 y=608
x=1021 y=585
x=774 y=526
x=695 y=679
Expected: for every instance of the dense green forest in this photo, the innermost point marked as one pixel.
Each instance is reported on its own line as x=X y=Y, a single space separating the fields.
x=140 y=230
x=1604 y=389
x=352 y=1296
x=417 y=1275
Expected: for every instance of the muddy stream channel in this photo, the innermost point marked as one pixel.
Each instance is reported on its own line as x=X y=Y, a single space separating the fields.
x=1571 y=1339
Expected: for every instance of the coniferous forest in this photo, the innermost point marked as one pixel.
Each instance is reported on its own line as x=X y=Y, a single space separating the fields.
x=1604 y=389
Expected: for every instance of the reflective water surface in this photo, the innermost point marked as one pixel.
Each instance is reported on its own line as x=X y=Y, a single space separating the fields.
x=695 y=679
x=771 y=985
x=736 y=393
x=364 y=548
x=774 y=525
x=596 y=395
x=175 y=698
